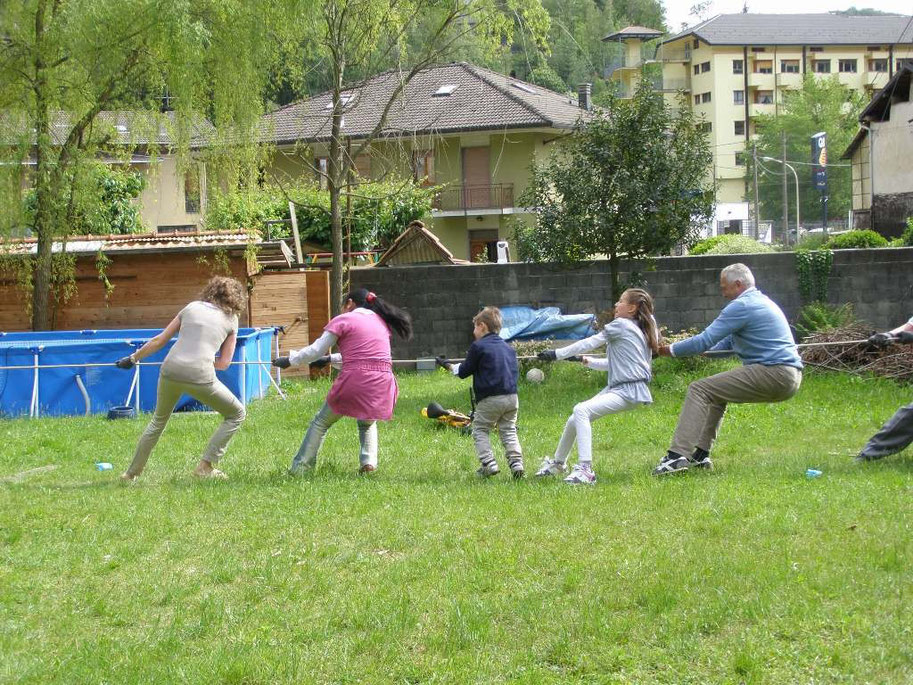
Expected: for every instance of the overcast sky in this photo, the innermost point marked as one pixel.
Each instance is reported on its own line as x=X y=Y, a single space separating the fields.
x=677 y=11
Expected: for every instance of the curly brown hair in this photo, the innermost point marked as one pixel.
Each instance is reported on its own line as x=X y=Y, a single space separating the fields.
x=228 y=294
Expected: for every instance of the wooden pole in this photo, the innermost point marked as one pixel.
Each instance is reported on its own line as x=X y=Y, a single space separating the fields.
x=291 y=212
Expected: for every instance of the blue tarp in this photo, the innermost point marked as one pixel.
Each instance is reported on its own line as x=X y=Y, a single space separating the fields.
x=58 y=392
x=526 y=323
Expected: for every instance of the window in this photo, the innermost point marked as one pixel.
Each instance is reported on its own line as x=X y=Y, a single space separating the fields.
x=697 y=99
x=705 y=127
x=697 y=69
x=738 y=97
x=822 y=66
x=525 y=88
x=764 y=66
x=738 y=66
x=192 y=190
x=423 y=166
x=879 y=65
x=705 y=97
x=344 y=101
x=740 y=159
x=789 y=66
x=445 y=91
x=847 y=66
x=816 y=49
x=873 y=48
x=759 y=49
x=321 y=166
x=705 y=67
x=740 y=127
x=764 y=97
x=696 y=44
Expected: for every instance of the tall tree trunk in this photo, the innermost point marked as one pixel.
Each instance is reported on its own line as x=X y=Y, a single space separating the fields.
x=44 y=195
x=335 y=180
x=614 y=263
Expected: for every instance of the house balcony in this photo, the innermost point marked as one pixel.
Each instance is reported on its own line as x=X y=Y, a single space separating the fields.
x=758 y=108
x=789 y=81
x=492 y=198
x=761 y=81
x=673 y=85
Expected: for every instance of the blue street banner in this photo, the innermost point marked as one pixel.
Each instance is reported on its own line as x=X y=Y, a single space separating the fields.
x=819 y=161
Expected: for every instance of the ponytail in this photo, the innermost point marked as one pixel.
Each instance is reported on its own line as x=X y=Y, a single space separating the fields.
x=644 y=315
x=397 y=319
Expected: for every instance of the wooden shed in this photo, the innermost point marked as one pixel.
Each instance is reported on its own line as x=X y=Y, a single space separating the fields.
x=417 y=246
x=151 y=277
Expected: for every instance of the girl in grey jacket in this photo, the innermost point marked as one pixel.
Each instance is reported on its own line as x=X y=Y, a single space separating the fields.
x=630 y=341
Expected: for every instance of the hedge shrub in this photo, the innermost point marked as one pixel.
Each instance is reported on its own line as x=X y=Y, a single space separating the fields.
x=856 y=239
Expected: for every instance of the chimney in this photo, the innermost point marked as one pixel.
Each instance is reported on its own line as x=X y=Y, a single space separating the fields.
x=583 y=95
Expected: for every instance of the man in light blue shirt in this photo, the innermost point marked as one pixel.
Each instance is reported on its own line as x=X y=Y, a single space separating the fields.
x=897 y=433
x=755 y=329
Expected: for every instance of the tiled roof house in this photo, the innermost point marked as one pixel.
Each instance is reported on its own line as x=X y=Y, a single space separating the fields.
x=471 y=130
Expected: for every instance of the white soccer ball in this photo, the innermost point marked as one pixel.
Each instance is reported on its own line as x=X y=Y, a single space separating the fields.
x=535 y=375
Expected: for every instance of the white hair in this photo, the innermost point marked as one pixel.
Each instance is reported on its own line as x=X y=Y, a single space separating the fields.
x=738 y=272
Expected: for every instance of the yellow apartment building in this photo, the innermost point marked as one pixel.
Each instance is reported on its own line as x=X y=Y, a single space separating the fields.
x=734 y=67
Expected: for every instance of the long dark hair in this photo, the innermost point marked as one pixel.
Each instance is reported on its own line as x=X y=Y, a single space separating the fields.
x=397 y=319
x=644 y=315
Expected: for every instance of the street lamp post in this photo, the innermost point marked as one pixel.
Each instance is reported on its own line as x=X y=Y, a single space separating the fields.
x=796 y=176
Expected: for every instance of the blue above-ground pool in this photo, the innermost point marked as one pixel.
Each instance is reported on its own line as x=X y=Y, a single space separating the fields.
x=60 y=373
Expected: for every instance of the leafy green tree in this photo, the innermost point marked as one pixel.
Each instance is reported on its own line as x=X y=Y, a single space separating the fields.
x=380 y=210
x=821 y=104
x=631 y=182
x=356 y=38
x=63 y=62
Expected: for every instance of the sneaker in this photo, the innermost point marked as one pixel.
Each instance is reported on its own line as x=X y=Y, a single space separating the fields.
x=516 y=468
x=550 y=467
x=486 y=471
x=212 y=474
x=581 y=474
x=701 y=460
x=671 y=463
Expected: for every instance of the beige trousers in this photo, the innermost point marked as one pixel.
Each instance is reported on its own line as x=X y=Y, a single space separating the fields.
x=500 y=411
x=214 y=395
x=706 y=400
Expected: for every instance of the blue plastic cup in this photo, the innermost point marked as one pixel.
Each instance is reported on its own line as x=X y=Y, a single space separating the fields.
x=103 y=466
x=812 y=473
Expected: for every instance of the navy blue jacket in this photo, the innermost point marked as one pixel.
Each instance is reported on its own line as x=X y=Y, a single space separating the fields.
x=492 y=363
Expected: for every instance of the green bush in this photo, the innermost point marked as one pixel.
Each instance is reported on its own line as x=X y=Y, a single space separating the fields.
x=729 y=244
x=380 y=211
x=857 y=239
x=906 y=237
x=820 y=317
x=812 y=241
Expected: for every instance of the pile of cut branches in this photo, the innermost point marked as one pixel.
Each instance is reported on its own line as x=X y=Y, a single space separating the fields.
x=894 y=361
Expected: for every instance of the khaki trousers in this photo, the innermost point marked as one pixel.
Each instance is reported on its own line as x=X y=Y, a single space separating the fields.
x=214 y=395
x=706 y=400
x=500 y=411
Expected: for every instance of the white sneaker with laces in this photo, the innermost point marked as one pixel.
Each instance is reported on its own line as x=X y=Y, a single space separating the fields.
x=550 y=467
x=581 y=474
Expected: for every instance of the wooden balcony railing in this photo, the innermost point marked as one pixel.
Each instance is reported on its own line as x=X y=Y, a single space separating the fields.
x=469 y=197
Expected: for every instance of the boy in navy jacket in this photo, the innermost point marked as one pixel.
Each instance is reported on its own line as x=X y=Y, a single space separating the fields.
x=492 y=363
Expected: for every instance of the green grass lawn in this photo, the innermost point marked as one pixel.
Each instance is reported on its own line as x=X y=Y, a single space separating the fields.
x=422 y=573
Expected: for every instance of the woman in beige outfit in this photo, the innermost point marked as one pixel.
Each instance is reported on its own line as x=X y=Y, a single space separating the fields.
x=203 y=327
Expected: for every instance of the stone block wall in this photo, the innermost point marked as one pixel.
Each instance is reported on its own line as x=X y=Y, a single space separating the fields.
x=443 y=299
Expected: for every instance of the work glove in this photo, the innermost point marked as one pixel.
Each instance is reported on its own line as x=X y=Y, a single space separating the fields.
x=441 y=361
x=125 y=362
x=282 y=362
x=547 y=356
x=320 y=362
x=879 y=340
x=904 y=338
